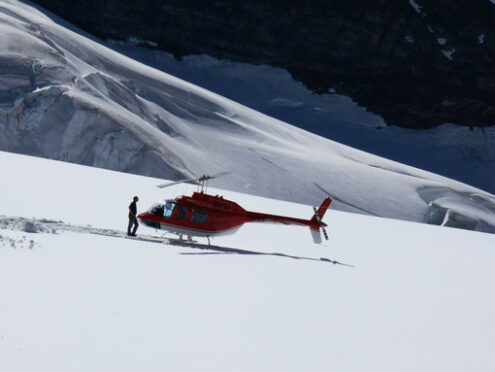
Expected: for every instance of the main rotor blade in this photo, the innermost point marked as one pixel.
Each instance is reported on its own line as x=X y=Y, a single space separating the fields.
x=222 y=174
x=177 y=182
x=204 y=177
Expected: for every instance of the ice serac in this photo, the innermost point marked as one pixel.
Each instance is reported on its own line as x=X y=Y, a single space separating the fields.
x=64 y=96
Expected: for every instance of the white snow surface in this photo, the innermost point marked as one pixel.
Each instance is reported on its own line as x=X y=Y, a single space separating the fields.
x=67 y=97
x=81 y=296
x=458 y=152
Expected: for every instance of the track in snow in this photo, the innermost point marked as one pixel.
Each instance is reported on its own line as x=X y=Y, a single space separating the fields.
x=33 y=226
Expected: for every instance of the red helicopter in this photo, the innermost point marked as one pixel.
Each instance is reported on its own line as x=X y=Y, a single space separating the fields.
x=205 y=215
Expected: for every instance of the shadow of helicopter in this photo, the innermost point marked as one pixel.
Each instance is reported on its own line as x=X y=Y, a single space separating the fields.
x=215 y=249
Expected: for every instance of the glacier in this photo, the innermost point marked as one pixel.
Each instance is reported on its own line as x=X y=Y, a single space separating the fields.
x=68 y=97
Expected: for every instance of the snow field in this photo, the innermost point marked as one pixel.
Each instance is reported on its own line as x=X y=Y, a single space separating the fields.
x=419 y=298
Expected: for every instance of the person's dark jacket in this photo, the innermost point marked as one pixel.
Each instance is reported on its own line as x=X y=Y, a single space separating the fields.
x=132 y=209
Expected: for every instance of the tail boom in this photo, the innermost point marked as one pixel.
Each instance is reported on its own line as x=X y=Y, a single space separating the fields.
x=314 y=224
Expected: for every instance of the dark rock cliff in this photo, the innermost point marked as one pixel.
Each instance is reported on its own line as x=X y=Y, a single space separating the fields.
x=418 y=63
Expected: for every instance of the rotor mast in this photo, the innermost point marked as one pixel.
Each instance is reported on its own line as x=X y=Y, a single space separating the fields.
x=203 y=183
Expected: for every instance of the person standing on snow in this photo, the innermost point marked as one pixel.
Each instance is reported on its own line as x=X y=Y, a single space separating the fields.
x=132 y=217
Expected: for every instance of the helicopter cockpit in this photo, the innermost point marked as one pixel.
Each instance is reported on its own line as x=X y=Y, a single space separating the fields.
x=163 y=209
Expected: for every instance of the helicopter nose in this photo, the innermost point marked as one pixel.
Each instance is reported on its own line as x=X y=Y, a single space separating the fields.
x=146 y=218
x=143 y=215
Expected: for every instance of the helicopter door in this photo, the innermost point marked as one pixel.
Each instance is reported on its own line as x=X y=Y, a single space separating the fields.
x=182 y=213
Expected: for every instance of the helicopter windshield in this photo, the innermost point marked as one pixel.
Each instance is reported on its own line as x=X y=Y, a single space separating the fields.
x=163 y=209
x=157 y=209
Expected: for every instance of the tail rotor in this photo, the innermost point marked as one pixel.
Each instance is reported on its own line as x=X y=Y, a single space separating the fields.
x=322 y=225
x=316 y=222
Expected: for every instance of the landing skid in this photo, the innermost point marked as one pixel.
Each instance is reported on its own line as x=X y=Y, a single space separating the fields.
x=183 y=238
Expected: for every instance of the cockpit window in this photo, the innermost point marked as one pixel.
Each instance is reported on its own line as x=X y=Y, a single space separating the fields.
x=169 y=209
x=163 y=209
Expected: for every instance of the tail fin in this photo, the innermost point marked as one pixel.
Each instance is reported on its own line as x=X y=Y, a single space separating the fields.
x=317 y=220
x=321 y=211
x=316 y=235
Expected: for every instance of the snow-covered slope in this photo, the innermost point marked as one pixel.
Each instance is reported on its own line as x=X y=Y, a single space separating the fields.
x=66 y=97
x=459 y=152
x=77 y=295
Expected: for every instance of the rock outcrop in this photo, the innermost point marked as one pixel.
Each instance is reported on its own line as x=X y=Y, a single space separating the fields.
x=417 y=63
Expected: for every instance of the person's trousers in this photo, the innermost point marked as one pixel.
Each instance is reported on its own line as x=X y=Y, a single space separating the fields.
x=132 y=222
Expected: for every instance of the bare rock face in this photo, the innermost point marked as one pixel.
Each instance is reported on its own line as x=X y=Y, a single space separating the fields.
x=417 y=63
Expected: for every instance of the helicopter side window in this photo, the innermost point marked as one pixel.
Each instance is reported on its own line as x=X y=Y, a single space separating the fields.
x=169 y=209
x=182 y=214
x=199 y=216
